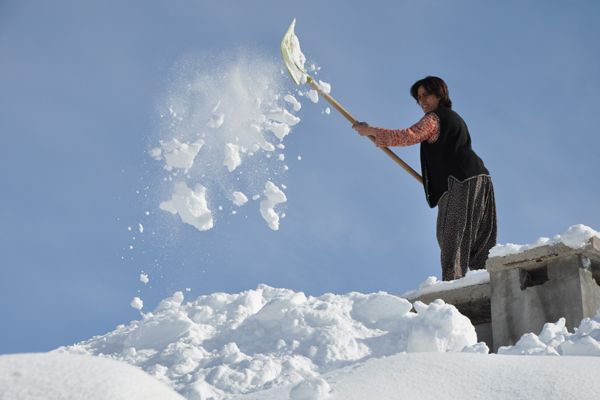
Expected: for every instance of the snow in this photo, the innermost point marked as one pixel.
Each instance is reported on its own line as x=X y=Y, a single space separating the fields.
x=224 y=344
x=433 y=285
x=451 y=376
x=137 y=303
x=54 y=376
x=575 y=237
x=191 y=205
x=144 y=278
x=273 y=196
x=296 y=106
x=313 y=95
x=239 y=199
x=232 y=156
x=555 y=339
x=177 y=154
x=221 y=112
x=324 y=86
x=310 y=389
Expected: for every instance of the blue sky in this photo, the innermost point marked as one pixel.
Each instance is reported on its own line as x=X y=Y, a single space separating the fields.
x=78 y=108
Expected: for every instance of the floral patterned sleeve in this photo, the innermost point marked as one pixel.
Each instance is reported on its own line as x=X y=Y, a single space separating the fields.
x=426 y=129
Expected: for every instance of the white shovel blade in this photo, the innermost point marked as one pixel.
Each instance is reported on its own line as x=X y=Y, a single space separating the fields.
x=292 y=55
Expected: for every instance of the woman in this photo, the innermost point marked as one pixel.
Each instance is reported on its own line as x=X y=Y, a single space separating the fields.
x=454 y=177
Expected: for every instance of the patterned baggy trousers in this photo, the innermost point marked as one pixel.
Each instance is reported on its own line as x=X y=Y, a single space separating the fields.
x=466 y=225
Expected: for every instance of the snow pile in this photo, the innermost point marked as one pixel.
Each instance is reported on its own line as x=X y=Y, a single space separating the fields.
x=555 y=339
x=220 y=125
x=52 y=376
x=223 y=344
x=575 y=237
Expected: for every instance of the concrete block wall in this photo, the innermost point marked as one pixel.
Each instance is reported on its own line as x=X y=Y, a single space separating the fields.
x=542 y=285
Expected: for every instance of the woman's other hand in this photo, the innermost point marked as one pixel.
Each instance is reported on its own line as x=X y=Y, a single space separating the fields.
x=363 y=129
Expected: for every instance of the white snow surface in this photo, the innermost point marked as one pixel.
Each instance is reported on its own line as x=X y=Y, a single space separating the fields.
x=575 y=237
x=451 y=376
x=191 y=205
x=54 y=376
x=224 y=344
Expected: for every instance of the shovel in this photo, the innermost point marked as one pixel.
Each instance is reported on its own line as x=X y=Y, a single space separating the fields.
x=294 y=62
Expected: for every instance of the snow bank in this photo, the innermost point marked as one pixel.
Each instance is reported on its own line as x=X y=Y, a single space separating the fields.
x=555 y=340
x=223 y=344
x=575 y=237
x=451 y=376
x=52 y=376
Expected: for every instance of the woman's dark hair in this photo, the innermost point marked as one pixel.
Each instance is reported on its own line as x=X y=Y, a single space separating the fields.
x=433 y=85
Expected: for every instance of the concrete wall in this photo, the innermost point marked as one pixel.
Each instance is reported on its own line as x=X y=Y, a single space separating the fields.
x=542 y=285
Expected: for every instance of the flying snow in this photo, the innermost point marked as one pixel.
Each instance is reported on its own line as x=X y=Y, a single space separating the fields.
x=221 y=123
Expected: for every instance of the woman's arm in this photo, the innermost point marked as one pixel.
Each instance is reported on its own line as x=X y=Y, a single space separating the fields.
x=426 y=129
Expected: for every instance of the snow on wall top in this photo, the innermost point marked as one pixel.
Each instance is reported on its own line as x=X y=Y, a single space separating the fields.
x=575 y=237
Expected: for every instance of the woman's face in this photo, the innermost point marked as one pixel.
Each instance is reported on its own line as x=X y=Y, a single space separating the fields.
x=427 y=101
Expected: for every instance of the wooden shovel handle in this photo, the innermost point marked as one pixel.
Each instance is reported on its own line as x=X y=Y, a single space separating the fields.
x=353 y=121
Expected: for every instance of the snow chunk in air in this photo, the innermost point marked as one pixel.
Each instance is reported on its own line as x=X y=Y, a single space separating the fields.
x=177 y=154
x=239 y=199
x=191 y=205
x=273 y=197
x=137 y=303
x=232 y=156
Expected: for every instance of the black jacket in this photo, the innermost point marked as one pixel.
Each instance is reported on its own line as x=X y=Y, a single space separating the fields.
x=450 y=155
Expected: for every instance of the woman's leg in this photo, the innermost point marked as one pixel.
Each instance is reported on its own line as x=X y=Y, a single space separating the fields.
x=466 y=225
x=486 y=225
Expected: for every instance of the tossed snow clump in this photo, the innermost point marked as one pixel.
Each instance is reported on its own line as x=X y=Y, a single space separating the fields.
x=191 y=205
x=273 y=197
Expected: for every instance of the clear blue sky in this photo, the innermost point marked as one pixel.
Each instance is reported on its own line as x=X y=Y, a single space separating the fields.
x=79 y=86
